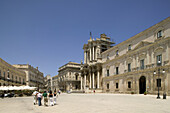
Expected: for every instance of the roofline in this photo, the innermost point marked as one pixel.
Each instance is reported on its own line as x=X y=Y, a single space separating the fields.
x=137 y=35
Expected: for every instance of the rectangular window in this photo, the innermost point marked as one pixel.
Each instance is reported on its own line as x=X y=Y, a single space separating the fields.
x=159 y=60
x=117 y=52
x=107 y=86
x=159 y=34
x=129 y=67
x=129 y=47
x=129 y=84
x=117 y=85
x=117 y=70
x=159 y=82
x=8 y=75
x=107 y=72
x=107 y=57
x=76 y=77
x=142 y=64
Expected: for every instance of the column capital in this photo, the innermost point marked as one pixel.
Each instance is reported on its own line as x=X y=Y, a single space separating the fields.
x=99 y=67
x=85 y=72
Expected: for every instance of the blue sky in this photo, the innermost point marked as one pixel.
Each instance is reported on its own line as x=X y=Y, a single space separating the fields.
x=50 y=33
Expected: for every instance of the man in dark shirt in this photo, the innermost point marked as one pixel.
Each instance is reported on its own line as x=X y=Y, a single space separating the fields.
x=45 y=98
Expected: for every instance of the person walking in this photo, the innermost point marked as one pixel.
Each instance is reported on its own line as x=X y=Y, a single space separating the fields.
x=39 y=96
x=55 y=97
x=51 y=98
x=45 y=98
x=35 y=97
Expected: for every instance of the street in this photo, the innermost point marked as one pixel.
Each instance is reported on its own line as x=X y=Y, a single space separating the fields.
x=89 y=103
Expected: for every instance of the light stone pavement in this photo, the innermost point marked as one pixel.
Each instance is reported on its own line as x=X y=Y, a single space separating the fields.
x=90 y=103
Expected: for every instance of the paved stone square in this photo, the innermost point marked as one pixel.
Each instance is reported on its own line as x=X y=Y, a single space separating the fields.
x=89 y=103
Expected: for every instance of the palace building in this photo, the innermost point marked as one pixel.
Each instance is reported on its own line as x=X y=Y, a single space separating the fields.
x=69 y=77
x=34 y=77
x=139 y=64
x=11 y=76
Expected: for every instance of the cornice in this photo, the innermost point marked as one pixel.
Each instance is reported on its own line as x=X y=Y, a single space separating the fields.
x=138 y=35
x=132 y=52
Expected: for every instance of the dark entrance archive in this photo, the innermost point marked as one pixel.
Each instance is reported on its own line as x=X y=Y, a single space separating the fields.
x=142 y=84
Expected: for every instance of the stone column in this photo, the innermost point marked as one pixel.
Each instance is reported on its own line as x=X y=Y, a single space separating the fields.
x=93 y=53
x=93 y=81
x=96 y=53
x=137 y=85
x=167 y=51
x=81 y=83
x=85 y=57
x=98 y=74
x=151 y=84
x=147 y=58
x=90 y=53
x=90 y=80
x=137 y=59
x=166 y=83
x=85 y=81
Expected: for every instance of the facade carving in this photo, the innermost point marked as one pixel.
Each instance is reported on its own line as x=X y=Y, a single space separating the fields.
x=139 y=64
x=69 y=77
x=11 y=76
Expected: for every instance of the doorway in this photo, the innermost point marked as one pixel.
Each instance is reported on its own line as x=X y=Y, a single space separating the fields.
x=142 y=84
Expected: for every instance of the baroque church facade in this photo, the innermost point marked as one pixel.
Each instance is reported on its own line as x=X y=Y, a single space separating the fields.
x=91 y=70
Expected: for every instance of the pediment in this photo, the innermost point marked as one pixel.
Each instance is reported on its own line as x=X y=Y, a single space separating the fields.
x=142 y=44
x=142 y=56
x=117 y=64
x=129 y=60
x=158 y=49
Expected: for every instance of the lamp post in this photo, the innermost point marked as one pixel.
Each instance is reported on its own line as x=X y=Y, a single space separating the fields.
x=8 y=78
x=159 y=80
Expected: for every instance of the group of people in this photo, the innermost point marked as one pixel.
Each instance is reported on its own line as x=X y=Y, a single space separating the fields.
x=48 y=97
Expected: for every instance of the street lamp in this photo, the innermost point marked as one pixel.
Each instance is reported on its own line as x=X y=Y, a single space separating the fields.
x=158 y=80
x=8 y=78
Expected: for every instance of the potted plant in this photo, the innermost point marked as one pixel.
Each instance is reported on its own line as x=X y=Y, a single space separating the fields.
x=145 y=93
x=132 y=92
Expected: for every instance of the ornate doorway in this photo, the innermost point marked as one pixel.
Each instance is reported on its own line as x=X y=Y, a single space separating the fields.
x=142 y=84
